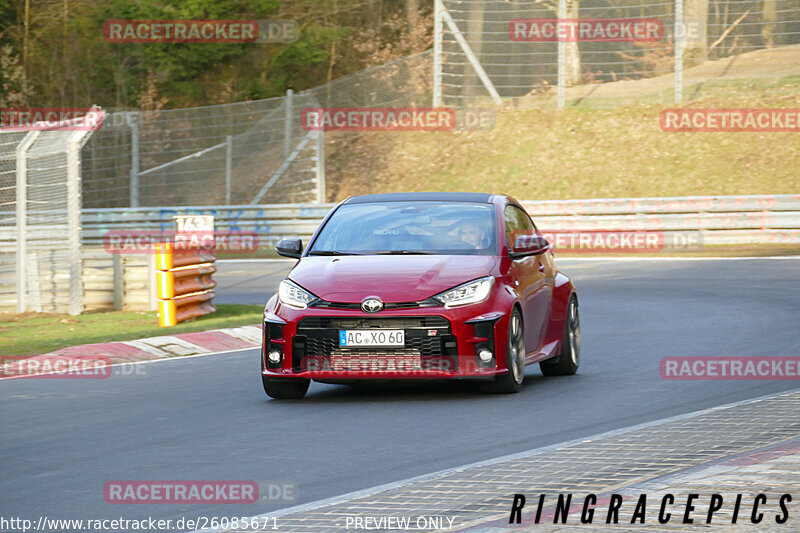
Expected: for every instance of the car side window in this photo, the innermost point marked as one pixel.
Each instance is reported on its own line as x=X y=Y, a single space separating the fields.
x=517 y=223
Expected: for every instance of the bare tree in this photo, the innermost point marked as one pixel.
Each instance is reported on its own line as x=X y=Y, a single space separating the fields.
x=412 y=14
x=374 y=12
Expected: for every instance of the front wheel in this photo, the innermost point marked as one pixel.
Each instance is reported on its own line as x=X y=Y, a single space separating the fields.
x=566 y=364
x=285 y=389
x=511 y=381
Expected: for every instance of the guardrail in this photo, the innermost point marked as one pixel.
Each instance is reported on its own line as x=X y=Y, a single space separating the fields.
x=125 y=281
x=721 y=219
x=753 y=219
x=269 y=222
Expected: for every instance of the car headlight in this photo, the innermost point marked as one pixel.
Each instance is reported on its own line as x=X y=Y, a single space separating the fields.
x=291 y=294
x=468 y=293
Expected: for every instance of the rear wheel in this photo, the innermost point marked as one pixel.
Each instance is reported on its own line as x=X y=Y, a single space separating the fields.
x=566 y=364
x=285 y=389
x=511 y=381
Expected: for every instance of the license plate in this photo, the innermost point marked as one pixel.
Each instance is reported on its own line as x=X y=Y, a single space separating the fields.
x=352 y=338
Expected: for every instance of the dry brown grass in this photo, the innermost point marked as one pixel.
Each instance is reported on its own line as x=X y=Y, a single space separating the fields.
x=580 y=152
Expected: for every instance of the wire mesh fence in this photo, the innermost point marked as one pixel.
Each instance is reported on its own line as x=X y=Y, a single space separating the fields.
x=216 y=155
x=40 y=244
x=233 y=154
x=8 y=219
x=47 y=280
x=585 y=49
x=403 y=82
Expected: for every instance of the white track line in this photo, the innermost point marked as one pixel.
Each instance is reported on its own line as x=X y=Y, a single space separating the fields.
x=535 y=451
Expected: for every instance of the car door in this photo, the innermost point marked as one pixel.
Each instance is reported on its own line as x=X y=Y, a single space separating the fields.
x=534 y=276
x=545 y=265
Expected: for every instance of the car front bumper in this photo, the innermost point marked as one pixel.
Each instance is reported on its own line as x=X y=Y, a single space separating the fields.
x=439 y=343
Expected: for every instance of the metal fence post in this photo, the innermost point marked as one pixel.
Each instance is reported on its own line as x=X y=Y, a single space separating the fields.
x=74 y=246
x=22 y=219
x=437 y=53
x=228 y=167
x=678 y=32
x=320 y=166
x=562 y=58
x=119 y=281
x=134 y=182
x=287 y=124
x=152 y=296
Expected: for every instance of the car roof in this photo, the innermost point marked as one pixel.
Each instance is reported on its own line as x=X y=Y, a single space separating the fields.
x=474 y=197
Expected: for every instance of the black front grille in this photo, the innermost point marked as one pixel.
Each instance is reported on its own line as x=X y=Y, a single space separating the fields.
x=425 y=336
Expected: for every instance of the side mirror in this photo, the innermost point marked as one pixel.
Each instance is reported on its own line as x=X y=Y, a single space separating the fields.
x=290 y=248
x=529 y=245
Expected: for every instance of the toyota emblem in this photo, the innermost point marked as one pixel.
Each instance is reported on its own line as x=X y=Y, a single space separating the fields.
x=371 y=305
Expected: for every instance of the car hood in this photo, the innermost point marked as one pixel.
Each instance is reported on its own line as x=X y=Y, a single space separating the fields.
x=393 y=278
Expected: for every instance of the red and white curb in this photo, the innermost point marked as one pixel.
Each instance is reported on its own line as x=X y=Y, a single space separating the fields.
x=164 y=347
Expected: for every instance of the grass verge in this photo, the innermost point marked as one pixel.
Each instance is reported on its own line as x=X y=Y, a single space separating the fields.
x=37 y=333
x=580 y=152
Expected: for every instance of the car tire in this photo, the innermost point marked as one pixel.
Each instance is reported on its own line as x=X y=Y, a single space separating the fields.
x=566 y=364
x=511 y=381
x=285 y=389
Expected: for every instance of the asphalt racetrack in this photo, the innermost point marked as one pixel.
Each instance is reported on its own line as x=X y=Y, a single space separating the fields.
x=207 y=418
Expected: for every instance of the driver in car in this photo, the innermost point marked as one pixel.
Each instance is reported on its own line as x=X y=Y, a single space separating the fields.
x=473 y=235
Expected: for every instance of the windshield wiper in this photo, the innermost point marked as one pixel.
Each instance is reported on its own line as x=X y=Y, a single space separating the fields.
x=403 y=252
x=330 y=252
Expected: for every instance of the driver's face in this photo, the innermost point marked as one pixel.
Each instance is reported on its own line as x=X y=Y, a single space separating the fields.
x=472 y=235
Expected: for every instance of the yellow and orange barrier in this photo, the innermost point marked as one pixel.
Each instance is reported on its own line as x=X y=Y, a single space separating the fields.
x=185 y=286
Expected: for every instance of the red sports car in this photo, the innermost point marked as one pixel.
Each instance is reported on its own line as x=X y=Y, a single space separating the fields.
x=420 y=286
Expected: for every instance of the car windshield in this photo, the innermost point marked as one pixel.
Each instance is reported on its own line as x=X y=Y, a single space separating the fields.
x=420 y=227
